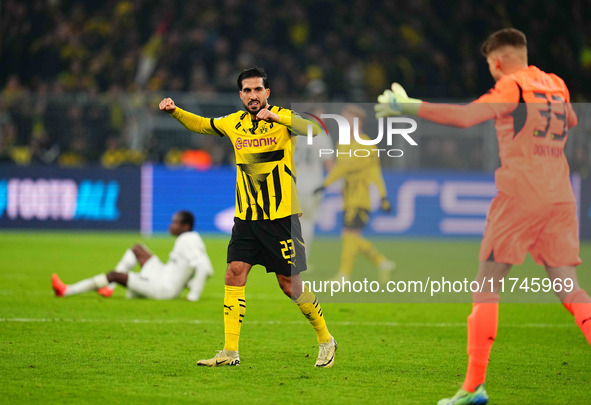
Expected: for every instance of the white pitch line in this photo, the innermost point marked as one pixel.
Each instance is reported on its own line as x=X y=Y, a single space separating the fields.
x=341 y=323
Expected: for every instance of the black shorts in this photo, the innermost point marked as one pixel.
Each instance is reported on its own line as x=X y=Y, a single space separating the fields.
x=277 y=245
x=356 y=218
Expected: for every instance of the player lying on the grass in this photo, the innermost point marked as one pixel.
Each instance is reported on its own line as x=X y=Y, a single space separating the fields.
x=188 y=266
x=358 y=173
x=534 y=209
x=266 y=225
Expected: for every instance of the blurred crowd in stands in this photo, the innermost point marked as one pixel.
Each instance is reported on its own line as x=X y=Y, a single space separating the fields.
x=78 y=77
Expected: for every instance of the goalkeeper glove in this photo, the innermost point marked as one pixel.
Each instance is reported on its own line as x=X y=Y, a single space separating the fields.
x=396 y=102
x=319 y=190
x=385 y=206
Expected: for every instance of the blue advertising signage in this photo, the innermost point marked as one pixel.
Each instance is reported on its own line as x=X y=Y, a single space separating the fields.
x=431 y=204
x=58 y=198
x=208 y=194
x=424 y=203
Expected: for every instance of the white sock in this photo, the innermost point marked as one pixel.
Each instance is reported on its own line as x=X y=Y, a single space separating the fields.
x=127 y=262
x=88 y=284
x=125 y=265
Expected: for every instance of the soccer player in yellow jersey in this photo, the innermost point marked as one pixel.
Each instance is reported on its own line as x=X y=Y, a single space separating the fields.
x=266 y=225
x=359 y=173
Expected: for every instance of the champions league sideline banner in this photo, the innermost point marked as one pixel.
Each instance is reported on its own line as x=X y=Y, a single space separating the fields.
x=45 y=197
x=429 y=204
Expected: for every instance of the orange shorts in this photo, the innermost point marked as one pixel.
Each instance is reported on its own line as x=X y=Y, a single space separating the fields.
x=550 y=233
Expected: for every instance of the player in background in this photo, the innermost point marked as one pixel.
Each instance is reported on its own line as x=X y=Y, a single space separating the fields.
x=311 y=169
x=358 y=173
x=534 y=209
x=266 y=225
x=188 y=266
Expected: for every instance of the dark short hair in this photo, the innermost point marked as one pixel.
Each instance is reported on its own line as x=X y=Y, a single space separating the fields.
x=505 y=37
x=253 y=72
x=187 y=218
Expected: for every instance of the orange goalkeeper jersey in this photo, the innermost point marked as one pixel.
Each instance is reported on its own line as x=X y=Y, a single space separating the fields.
x=531 y=109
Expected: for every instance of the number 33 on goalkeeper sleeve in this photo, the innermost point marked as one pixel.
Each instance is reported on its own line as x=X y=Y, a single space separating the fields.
x=396 y=102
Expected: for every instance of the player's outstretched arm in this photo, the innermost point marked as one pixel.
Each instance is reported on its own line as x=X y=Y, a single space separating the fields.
x=396 y=102
x=203 y=271
x=189 y=120
x=461 y=116
x=195 y=253
x=297 y=124
x=300 y=125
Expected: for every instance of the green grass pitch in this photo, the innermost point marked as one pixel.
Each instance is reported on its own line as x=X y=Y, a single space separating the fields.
x=89 y=349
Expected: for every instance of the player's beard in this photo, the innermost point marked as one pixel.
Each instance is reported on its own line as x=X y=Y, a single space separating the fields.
x=262 y=104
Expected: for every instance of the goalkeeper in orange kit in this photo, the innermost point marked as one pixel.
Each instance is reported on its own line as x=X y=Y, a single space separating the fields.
x=534 y=210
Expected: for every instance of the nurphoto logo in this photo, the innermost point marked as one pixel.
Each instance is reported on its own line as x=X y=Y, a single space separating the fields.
x=387 y=128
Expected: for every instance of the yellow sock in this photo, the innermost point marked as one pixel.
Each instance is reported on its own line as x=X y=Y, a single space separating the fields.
x=234 y=310
x=369 y=250
x=308 y=304
x=348 y=253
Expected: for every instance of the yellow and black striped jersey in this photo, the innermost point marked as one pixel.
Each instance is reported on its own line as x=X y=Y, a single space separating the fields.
x=358 y=174
x=265 y=172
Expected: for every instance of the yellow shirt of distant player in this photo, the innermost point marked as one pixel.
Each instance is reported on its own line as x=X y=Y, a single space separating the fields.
x=358 y=174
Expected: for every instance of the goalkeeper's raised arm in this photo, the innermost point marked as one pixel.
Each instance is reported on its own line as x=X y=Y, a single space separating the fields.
x=501 y=100
x=396 y=102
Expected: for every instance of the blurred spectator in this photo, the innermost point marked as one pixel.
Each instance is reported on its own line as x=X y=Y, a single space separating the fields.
x=7 y=133
x=96 y=53
x=158 y=45
x=116 y=155
x=43 y=150
x=153 y=151
x=76 y=154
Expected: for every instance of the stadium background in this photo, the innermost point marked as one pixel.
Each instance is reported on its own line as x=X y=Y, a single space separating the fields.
x=83 y=148
x=80 y=84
